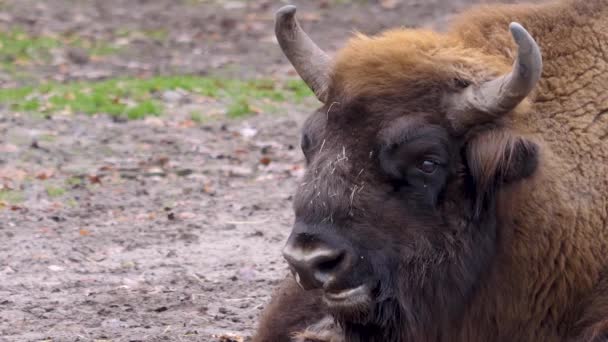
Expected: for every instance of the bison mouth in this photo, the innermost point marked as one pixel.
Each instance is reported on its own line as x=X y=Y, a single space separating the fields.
x=353 y=305
x=358 y=297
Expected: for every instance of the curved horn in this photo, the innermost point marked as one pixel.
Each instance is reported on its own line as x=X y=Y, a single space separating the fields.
x=311 y=63
x=502 y=94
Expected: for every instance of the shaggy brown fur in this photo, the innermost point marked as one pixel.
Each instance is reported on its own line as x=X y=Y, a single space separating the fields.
x=325 y=330
x=548 y=279
x=289 y=295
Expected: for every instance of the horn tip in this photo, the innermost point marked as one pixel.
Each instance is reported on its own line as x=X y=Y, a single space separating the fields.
x=518 y=31
x=286 y=11
x=514 y=25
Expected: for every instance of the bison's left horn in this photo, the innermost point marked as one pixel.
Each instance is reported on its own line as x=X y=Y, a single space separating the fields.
x=503 y=94
x=311 y=63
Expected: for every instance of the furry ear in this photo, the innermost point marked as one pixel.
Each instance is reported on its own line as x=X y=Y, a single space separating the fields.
x=499 y=157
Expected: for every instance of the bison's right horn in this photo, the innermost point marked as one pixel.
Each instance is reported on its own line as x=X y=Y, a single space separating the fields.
x=311 y=63
x=503 y=94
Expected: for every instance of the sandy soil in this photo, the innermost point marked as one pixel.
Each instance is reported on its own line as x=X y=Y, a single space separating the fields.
x=159 y=229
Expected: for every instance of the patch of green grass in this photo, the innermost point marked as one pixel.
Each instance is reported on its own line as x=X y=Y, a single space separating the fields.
x=9 y=94
x=135 y=98
x=54 y=191
x=18 y=47
x=71 y=203
x=158 y=34
x=11 y=196
x=47 y=137
x=143 y=109
x=30 y=105
x=196 y=117
x=73 y=181
x=239 y=108
x=299 y=89
x=95 y=48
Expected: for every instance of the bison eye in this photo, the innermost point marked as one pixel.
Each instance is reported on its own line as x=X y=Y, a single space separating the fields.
x=428 y=166
x=305 y=142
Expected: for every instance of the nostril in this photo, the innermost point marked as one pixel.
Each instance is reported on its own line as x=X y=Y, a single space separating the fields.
x=325 y=268
x=330 y=265
x=314 y=267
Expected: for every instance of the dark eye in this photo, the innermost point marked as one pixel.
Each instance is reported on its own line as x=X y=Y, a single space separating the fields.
x=428 y=166
x=305 y=143
x=460 y=83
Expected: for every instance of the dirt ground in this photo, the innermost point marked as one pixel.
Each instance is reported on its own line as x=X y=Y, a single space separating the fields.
x=158 y=229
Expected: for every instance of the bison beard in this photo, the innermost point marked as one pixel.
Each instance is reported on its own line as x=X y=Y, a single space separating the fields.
x=426 y=295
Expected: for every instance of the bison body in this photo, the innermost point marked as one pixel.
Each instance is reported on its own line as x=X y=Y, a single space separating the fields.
x=451 y=195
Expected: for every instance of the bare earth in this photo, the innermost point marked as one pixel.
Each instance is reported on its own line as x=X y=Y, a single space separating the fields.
x=164 y=230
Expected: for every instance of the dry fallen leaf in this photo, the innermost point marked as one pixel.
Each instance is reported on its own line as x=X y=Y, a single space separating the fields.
x=265 y=161
x=229 y=338
x=45 y=174
x=186 y=124
x=12 y=174
x=162 y=161
x=310 y=16
x=107 y=168
x=8 y=148
x=94 y=179
x=186 y=215
x=84 y=232
x=389 y=4
x=207 y=188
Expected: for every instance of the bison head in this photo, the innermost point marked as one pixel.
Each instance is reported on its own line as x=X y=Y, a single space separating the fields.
x=397 y=217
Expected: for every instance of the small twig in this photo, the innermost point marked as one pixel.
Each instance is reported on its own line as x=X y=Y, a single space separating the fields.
x=254 y=308
x=246 y=222
x=196 y=277
x=238 y=299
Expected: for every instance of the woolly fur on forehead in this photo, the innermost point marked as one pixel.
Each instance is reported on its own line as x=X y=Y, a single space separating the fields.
x=409 y=58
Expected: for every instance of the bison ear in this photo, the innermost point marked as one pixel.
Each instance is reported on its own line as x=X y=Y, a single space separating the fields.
x=498 y=157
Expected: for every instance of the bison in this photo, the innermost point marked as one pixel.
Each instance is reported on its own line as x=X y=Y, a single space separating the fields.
x=457 y=183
